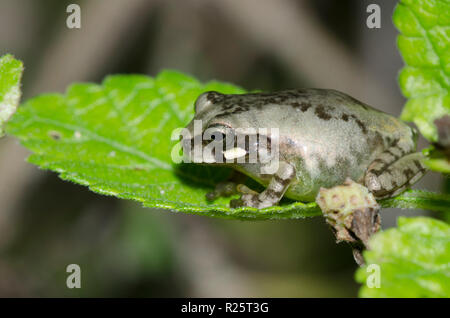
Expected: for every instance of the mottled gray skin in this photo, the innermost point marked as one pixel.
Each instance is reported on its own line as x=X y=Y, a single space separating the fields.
x=325 y=137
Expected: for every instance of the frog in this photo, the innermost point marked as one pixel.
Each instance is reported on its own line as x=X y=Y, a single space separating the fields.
x=324 y=137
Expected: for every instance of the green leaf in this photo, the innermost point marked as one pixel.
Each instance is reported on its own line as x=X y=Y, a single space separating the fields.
x=115 y=138
x=10 y=75
x=438 y=164
x=424 y=44
x=418 y=199
x=414 y=260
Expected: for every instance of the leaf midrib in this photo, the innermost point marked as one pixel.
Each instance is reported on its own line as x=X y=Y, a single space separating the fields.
x=112 y=143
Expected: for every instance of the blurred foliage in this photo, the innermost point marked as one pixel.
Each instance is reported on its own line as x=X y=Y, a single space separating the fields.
x=10 y=74
x=121 y=248
x=438 y=162
x=424 y=44
x=419 y=199
x=414 y=260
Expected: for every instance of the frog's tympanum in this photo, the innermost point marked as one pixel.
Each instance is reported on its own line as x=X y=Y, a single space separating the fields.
x=324 y=137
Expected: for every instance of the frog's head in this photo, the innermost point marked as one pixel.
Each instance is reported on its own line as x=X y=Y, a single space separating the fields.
x=211 y=136
x=224 y=130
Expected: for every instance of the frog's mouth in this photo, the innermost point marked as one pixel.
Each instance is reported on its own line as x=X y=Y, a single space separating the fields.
x=223 y=150
x=213 y=152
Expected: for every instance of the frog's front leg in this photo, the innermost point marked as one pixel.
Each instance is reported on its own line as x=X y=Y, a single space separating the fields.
x=393 y=172
x=272 y=195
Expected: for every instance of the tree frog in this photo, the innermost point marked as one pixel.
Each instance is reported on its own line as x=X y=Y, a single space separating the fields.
x=324 y=137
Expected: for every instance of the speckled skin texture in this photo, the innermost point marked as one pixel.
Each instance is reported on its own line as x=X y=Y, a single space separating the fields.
x=325 y=136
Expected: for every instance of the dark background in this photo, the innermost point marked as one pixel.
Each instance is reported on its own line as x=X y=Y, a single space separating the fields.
x=126 y=250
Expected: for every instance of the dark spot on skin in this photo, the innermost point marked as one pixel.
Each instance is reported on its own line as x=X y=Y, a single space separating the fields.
x=402 y=152
x=391 y=153
x=360 y=124
x=394 y=143
x=281 y=181
x=259 y=100
x=321 y=112
x=214 y=97
x=273 y=194
x=223 y=114
x=54 y=135
x=303 y=106
x=408 y=173
x=378 y=161
x=419 y=166
x=265 y=141
x=394 y=185
x=388 y=140
x=240 y=109
x=379 y=171
x=228 y=106
x=376 y=141
x=255 y=201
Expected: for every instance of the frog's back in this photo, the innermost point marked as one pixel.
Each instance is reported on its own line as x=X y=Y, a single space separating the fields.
x=314 y=110
x=326 y=134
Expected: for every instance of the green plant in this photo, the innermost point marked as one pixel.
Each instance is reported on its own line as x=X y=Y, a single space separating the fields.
x=414 y=258
x=115 y=138
x=425 y=80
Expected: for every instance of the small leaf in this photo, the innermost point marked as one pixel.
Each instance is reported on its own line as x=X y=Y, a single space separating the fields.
x=418 y=199
x=414 y=260
x=10 y=75
x=424 y=44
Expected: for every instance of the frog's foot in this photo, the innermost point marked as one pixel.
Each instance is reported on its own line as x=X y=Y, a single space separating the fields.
x=223 y=189
x=272 y=195
x=353 y=214
x=249 y=198
x=393 y=172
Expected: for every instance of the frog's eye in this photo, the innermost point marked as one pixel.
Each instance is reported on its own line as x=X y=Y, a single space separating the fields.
x=219 y=133
x=207 y=99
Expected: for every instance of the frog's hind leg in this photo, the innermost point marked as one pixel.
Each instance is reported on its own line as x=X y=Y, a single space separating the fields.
x=278 y=185
x=393 y=172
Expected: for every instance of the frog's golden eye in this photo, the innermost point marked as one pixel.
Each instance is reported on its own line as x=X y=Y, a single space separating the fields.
x=207 y=99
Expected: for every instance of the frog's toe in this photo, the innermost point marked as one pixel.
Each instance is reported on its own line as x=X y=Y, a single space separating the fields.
x=246 y=200
x=251 y=200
